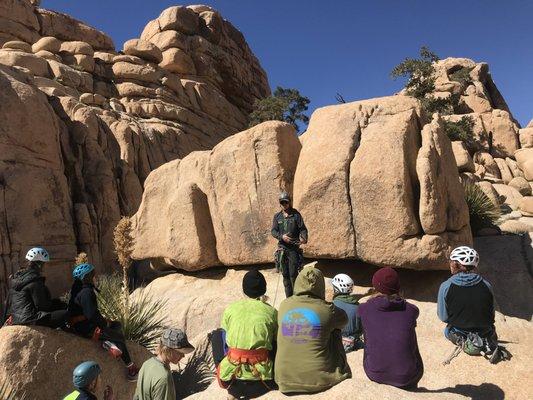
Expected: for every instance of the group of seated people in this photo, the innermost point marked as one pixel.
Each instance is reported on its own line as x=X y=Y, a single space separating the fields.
x=301 y=348
x=29 y=302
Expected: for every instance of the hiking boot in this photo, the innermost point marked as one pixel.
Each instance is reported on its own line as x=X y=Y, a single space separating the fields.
x=112 y=349
x=133 y=372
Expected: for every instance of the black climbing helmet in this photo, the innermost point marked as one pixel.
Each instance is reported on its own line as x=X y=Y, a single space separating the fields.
x=284 y=196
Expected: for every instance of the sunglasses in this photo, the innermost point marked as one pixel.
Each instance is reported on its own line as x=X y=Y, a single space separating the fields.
x=284 y=202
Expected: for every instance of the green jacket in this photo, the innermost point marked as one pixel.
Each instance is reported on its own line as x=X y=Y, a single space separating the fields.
x=310 y=355
x=155 y=382
x=249 y=324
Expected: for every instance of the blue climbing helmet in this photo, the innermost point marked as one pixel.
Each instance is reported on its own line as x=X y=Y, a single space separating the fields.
x=81 y=270
x=85 y=373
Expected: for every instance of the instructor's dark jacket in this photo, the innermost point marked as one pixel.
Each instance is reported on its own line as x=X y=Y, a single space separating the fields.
x=83 y=302
x=29 y=298
x=292 y=225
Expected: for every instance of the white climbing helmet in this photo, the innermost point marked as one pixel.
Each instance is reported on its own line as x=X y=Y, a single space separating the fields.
x=343 y=283
x=37 y=254
x=465 y=256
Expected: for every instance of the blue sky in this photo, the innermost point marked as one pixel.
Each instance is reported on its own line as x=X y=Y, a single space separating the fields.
x=350 y=46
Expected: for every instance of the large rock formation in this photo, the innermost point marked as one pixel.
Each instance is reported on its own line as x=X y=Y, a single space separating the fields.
x=368 y=181
x=367 y=184
x=215 y=207
x=83 y=125
x=38 y=362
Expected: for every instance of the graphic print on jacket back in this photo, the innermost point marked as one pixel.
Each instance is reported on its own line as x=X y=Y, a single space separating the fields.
x=301 y=325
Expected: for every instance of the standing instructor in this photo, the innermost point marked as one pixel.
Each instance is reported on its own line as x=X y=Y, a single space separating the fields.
x=289 y=228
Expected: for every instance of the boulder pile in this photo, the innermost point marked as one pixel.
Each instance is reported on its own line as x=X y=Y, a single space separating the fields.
x=83 y=124
x=499 y=159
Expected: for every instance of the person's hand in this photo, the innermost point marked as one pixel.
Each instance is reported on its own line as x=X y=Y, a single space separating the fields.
x=286 y=239
x=303 y=241
x=108 y=393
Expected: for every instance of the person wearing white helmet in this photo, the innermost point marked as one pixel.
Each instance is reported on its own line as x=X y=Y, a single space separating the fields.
x=344 y=299
x=29 y=300
x=465 y=300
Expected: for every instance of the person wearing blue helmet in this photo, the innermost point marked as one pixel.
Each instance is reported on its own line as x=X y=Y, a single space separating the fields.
x=85 y=378
x=29 y=301
x=85 y=319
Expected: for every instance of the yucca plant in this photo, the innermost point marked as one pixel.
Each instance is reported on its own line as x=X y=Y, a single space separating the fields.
x=483 y=212
x=142 y=318
x=8 y=393
x=123 y=248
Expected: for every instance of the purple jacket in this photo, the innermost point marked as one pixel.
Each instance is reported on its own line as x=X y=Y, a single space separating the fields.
x=391 y=349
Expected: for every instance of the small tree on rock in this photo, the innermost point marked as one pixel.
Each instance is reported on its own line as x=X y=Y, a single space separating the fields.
x=286 y=105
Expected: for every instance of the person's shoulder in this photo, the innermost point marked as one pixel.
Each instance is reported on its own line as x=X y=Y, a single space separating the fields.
x=411 y=306
x=278 y=214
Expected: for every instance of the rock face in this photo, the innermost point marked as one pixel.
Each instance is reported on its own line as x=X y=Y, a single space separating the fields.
x=39 y=362
x=83 y=126
x=396 y=212
x=215 y=207
x=375 y=214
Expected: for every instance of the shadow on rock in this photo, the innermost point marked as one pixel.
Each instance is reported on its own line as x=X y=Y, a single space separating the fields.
x=197 y=374
x=482 y=392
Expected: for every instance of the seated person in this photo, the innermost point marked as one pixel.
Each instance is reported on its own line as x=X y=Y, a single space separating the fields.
x=86 y=381
x=251 y=326
x=29 y=300
x=85 y=319
x=345 y=300
x=391 y=349
x=155 y=377
x=310 y=355
x=465 y=300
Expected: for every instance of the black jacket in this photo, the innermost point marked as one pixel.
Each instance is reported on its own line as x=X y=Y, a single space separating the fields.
x=83 y=302
x=29 y=298
x=292 y=225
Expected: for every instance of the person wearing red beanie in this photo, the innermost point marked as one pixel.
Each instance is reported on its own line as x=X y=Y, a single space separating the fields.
x=391 y=354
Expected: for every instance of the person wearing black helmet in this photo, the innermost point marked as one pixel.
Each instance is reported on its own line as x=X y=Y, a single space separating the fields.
x=85 y=378
x=289 y=228
x=29 y=301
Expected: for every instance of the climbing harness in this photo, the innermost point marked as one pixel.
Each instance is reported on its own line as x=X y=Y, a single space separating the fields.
x=240 y=357
x=474 y=344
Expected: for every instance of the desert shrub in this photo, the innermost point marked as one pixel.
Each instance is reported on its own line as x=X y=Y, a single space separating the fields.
x=483 y=212
x=141 y=317
x=444 y=106
x=419 y=73
x=460 y=130
x=462 y=76
x=286 y=105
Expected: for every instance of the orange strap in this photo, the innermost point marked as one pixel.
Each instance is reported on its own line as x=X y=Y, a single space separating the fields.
x=250 y=357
